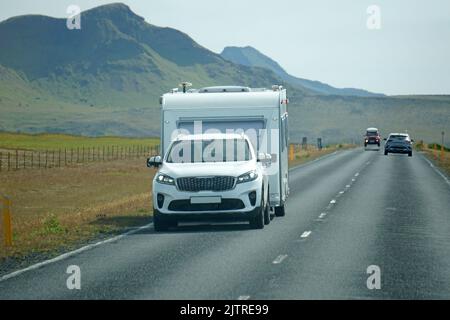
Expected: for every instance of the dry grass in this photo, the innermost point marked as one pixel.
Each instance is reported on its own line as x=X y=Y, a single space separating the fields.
x=62 y=207
x=312 y=153
x=442 y=159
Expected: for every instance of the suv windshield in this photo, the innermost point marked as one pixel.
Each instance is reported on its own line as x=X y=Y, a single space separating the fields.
x=372 y=133
x=214 y=150
x=397 y=138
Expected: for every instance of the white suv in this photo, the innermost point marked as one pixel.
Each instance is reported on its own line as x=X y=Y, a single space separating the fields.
x=210 y=177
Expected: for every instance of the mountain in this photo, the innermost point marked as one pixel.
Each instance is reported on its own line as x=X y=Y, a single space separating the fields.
x=50 y=74
x=249 y=56
x=106 y=78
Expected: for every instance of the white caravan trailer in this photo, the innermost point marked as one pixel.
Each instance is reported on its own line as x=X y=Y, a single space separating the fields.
x=261 y=114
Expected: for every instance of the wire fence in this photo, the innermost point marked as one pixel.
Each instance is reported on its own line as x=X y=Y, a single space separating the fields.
x=37 y=159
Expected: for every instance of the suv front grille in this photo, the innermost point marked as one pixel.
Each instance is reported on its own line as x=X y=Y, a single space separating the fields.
x=194 y=184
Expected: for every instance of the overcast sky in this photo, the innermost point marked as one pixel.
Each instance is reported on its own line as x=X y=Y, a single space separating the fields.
x=320 y=40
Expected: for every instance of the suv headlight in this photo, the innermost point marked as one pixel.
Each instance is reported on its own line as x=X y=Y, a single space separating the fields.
x=165 y=179
x=247 y=177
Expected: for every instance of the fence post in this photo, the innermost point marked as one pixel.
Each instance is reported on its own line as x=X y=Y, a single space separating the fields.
x=17 y=159
x=24 y=155
x=9 y=161
x=32 y=159
x=39 y=159
x=46 y=158
x=7 y=221
x=1 y=161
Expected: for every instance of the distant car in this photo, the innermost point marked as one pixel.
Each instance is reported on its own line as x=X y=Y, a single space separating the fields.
x=398 y=143
x=372 y=137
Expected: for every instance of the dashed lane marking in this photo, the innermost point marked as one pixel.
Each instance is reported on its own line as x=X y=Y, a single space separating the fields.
x=305 y=234
x=280 y=259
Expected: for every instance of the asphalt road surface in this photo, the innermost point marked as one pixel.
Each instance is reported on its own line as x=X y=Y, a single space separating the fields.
x=346 y=212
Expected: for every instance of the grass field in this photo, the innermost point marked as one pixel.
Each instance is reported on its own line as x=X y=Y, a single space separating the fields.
x=62 y=207
x=61 y=141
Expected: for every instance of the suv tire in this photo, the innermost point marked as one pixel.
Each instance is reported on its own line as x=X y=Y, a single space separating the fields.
x=258 y=221
x=161 y=224
x=280 y=211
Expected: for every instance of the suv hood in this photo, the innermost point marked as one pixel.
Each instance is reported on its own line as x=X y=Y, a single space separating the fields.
x=234 y=169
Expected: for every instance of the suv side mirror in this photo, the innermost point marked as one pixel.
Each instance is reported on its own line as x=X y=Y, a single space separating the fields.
x=264 y=158
x=385 y=139
x=155 y=162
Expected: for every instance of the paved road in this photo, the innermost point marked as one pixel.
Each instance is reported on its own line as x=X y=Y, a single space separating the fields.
x=392 y=212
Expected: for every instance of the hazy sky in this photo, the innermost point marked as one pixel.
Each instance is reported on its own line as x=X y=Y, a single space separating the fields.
x=316 y=39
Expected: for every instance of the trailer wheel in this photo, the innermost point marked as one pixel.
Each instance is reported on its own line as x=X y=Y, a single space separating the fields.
x=280 y=211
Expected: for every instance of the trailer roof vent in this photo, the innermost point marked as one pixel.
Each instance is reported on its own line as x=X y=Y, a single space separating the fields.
x=185 y=85
x=277 y=87
x=224 y=89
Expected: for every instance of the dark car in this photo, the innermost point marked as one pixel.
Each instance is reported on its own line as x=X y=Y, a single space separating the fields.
x=372 y=137
x=398 y=143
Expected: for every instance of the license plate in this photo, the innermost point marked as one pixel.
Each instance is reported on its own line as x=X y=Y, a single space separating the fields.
x=196 y=200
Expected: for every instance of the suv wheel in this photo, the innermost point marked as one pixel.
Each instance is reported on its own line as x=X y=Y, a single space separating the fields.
x=410 y=154
x=280 y=211
x=267 y=214
x=385 y=153
x=259 y=220
x=160 y=224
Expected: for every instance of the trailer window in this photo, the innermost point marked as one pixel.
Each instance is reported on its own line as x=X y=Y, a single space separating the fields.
x=207 y=151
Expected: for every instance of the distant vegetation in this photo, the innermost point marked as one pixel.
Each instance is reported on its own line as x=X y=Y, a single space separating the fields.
x=60 y=141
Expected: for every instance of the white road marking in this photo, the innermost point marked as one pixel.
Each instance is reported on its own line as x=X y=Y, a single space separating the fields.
x=244 y=298
x=72 y=253
x=357 y=174
x=333 y=201
x=348 y=186
x=353 y=180
x=438 y=171
x=280 y=259
x=341 y=192
x=322 y=215
x=305 y=234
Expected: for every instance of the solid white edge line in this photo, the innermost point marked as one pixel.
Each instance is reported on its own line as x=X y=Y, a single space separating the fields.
x=71 y=253
x=437 y=171
x=315 y=160
x=244 y=298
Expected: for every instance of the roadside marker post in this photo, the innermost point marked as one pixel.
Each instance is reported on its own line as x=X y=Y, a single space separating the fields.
x=291 y=152
x=7 y=225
